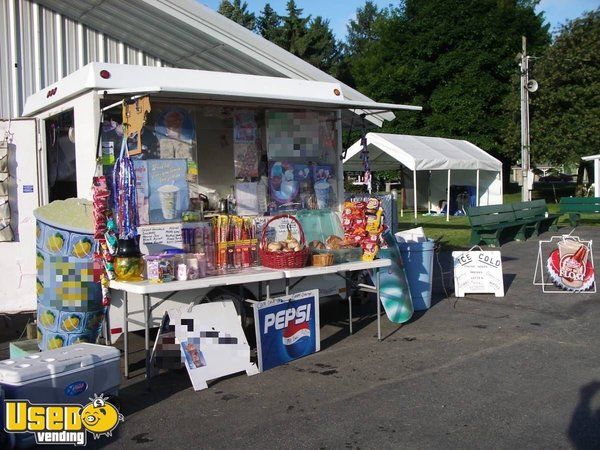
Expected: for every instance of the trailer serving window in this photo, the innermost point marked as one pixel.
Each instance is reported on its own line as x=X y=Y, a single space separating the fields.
x=285 y=158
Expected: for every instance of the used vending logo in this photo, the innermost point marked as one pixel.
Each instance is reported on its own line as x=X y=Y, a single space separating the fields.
x=62 y=424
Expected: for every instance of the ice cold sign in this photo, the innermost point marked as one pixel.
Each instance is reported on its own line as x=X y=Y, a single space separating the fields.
x=478 y=272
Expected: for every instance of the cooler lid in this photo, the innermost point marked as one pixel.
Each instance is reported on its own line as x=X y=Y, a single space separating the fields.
x=51 y=362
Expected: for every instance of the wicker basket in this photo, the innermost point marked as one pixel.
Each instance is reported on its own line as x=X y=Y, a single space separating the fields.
x=322 y=260
x=281 y=259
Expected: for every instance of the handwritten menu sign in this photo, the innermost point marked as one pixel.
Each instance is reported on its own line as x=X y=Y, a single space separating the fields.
x=156 y=238
x=478 y=272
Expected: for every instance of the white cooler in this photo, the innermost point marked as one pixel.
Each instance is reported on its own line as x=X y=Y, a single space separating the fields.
x=65 y=375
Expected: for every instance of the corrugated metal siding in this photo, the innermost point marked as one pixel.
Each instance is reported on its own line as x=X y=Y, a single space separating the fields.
x=59 y=47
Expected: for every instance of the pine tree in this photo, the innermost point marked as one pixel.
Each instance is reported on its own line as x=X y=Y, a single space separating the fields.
x=294 y=29
x=322 y=49
x=238 y=12
x=269 y=24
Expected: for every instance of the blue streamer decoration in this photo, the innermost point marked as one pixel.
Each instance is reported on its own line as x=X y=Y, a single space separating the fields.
x=125 y=194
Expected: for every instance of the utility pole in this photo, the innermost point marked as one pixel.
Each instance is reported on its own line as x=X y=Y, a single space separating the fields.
x=525 y=160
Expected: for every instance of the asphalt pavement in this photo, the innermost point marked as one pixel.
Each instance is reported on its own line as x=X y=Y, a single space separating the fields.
x=521 y=371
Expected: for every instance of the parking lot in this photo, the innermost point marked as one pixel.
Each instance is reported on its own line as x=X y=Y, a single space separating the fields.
x=477 y=372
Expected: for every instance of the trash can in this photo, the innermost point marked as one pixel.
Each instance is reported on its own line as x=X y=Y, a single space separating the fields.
x=68 y=288
x=417 y=258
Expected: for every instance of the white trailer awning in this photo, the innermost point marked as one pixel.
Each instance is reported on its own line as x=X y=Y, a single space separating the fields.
x=123 y=79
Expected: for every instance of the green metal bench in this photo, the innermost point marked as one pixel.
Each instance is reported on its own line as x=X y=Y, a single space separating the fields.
x=536 y=216
x=489 y=224
x=575 y=206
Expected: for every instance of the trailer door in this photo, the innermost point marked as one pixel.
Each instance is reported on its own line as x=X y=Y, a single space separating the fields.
x=17 y=257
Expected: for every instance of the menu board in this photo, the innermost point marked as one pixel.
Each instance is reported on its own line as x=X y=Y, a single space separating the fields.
x=478 y=272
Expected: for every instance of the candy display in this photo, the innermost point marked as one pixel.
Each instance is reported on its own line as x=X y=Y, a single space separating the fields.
x=159 y=268
x=235 y=243
x=104 y=235
x=363 y=225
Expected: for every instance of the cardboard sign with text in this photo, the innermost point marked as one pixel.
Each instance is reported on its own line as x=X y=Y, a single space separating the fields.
x=287 y=328
x=478 y=272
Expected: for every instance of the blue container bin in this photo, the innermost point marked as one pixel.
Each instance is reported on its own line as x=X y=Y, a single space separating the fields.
x=417 y=258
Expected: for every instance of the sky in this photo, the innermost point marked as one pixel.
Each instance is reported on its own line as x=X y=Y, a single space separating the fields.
x=339 y=12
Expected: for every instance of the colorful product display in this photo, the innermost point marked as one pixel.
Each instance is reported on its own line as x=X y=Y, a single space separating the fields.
x=70 y=301
x=363 y=224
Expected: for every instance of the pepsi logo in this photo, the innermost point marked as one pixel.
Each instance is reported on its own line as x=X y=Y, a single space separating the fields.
x=296 y=339
x=281 y=319
x=76 y=388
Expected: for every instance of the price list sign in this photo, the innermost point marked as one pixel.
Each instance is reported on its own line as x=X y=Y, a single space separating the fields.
x=478 y=272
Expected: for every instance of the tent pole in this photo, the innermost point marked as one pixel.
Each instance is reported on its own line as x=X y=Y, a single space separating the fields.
x=415 y=191
x=402 y=191
x=448 y=199
x=477 y=190
x=501 y=187
x=429 y=194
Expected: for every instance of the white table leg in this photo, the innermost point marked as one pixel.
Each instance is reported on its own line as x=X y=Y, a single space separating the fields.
x=349 y=302
x=125 y=336
x=146 y=299
x=377 y=283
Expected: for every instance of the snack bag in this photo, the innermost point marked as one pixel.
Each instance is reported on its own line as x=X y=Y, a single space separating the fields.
x=369 y=251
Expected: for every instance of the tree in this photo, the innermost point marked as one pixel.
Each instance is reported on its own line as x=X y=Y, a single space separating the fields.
x=456 y=58
x=269 y=24
x=361 y=30
x=293 y=30
x=565 y=119
x=238 y=12
x=322 y=49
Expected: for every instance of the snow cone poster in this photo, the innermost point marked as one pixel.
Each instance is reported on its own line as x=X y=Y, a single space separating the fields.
x=287 y=328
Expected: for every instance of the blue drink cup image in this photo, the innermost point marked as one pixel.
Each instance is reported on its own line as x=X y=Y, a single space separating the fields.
x=322 y=194
x=169 y=199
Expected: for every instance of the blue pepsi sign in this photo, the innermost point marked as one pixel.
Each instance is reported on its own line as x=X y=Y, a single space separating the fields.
x=287 y=328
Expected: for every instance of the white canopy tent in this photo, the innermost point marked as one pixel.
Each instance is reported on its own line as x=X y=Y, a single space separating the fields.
x=432 y=160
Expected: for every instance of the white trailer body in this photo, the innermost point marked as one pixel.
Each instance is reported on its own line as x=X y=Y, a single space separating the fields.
x=85 y=92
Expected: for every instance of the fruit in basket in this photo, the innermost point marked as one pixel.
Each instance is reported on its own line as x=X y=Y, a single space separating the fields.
x=82 y=248
x=275 y=247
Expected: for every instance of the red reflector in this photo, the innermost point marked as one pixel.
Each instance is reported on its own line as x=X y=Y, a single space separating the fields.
x=116 y=330
x=105 y=74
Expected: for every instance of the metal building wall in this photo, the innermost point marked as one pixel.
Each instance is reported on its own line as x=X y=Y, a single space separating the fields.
x=39 y=46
